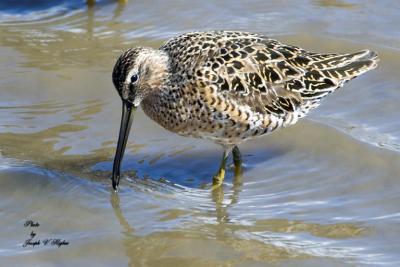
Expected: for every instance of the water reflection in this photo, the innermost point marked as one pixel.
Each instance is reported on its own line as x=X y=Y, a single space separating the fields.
x=221 y=206
x=44 y=147
x=81 y=38
x=27 y=6
x=38 y=148
x=229 y=241
x=335 y=3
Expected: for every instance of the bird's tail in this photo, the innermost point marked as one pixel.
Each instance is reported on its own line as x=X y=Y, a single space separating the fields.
x=329 y=72
x=345 y=67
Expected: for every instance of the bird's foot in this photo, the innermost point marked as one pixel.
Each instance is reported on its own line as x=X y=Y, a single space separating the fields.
x=218 y=178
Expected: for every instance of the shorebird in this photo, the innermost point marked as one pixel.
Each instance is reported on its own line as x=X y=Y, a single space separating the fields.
x=227 y=86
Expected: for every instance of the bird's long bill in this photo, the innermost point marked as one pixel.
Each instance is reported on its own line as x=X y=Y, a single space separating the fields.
x=128 y=112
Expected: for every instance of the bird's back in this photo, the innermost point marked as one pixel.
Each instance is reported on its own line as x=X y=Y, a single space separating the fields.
x=246 y=84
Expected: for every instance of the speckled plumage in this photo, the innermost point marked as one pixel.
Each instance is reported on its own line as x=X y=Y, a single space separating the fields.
x=230 y=86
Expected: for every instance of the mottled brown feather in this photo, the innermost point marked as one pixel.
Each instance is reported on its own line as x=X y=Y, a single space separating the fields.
x=230 y=86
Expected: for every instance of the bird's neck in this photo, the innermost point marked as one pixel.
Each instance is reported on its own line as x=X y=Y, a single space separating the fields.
x=162 y=109
x=159 y=102
x=155 y=64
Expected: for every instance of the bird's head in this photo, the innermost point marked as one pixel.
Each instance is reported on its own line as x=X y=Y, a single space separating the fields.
x=138 y=73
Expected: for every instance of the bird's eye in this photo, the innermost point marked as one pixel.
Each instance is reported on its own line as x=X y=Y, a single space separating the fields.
x=134 y=78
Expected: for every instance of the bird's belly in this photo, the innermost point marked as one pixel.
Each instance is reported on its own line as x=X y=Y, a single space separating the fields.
x=223 y=129
x=226 y=135
x=212 y=136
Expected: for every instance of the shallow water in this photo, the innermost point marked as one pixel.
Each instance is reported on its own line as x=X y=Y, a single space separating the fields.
x=325 y=192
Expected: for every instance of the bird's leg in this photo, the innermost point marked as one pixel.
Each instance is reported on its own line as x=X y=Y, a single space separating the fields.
x=237 y=161
x=220 y=175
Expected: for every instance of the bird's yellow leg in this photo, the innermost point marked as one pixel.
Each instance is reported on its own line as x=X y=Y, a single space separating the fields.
x=220 y=175
x=237 y=161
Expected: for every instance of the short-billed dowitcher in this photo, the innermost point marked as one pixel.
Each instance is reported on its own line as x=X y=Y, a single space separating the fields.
x=227 y=87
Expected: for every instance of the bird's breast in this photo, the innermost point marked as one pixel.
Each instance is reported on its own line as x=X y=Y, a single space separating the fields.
x=168 y=112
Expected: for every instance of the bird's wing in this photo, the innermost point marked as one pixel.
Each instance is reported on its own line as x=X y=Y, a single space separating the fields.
x=253 y=73
x=268 y=76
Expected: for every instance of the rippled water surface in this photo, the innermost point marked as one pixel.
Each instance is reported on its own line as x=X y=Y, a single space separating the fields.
x=325 y=192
